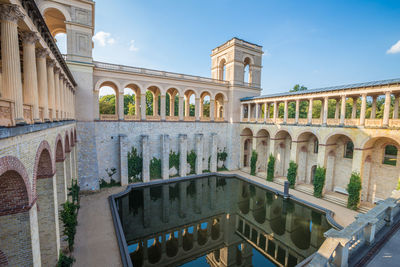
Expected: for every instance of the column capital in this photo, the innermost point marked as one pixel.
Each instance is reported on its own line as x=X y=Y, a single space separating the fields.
x=29 y=37
x=50 y=63
x=57 y=70
x=41 y=52
x=10 y=13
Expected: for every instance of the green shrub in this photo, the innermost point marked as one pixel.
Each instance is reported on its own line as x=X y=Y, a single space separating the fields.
x=69 y=217
x=354 y=190
x=155 y=168
x=222 y=155
x=292 y=173
x=64 y=260
x=191 y=159
x=135 y=165
x=271 y=168
x=74 y=192
x=319 y=181
x=253 y=162
x=174 y=160
x=104 y=184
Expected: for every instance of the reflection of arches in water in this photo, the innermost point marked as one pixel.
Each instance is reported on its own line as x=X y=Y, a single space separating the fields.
x=278 y=222
x=202 y=236
x=238 y=255
x=313 y=169
x=154 y=252
x=244 y=206
x=301 y=235
x=187 y=240
x=216 y=255
x=259 y=214
x=137 y=255
x=215 y=228
x=171 y=246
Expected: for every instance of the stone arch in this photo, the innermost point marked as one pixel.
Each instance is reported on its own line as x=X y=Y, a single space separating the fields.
x=47 y=165
x=67 y=147
x=278 y=219
x=154 y=251
x=190 y=96
x=59 y=153
x=219 y=105
x=71 y=134
x=222 y=69
x=262 y=148
x=45 y=5
x=171 y=246
x=306 y=155
x=153 y=93
x=246 y=142
x=107 y=90
x=187 y=240
x=135 y=90
x=172 y=101
x=247 y=69
x=283 y=146
x=205 y=105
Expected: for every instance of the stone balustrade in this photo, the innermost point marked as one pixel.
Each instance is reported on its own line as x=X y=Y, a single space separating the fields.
x=340 y=246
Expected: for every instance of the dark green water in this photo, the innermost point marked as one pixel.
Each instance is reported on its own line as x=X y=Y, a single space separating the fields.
x=216 y=221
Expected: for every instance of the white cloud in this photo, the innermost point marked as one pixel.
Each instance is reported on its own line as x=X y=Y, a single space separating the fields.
x=132 y=46
x=103 y=38
x=394 y=49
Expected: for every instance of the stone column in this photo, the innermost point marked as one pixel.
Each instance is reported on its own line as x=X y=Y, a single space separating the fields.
x=155 y=104
x=396 y=107
x=199 y=153
x=11 y=67
x=248 y=112
x=123 y=159
x=119 y=103
x=309 y=114
x=61 y=88
x=213 y=152
x=325 y=113
x=180 y=108
x=57 y=91
x=41 y=54
x=275 y=111
x=265 y=111
x=257 y=111
x=163 y=108
x=386 y=110
x=212 y=109
x=143 y=107
x=357 y=160
x=187 y=107
x=146 y=159
x=197 y=109
x=342 y=110
x=165 y=156
x=354 y=108
x=31 y=97
x=50 y=84
x=373 y=108
x=302 y=166
x=182 y=155
x=241 y=112
x=165 y=205
x=285 y=112
x=171 y=104
x=337 y=109
x=363 y=109
x=330 y=172
x=297 y=111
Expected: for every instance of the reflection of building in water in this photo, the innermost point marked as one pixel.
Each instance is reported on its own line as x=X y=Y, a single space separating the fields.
x=171 y=224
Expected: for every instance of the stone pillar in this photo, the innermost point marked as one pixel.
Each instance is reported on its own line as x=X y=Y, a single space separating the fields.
x=143 y=107
x=330 y=172
x=337 y=109
x=363 y=109
x=354 y=108
x=155 y=104
x=248 y=112
x=51 y=91
x=11 y=67
x=123 y=159
x=197 y=109
x=187 y=107
x=119 y=103
x=171 y=104
x=302 y=166
x=57 y=92
x=373 y=108
x=146 y=159
x=310 y=109
x=265 y=111
x=165 y=156
x=182 y=198
x=257 y=111
x=165 y=203
x=163 y=108
x=293 y=151
x=31 y=97
x=61 y=87
x=199 y=153
x=241 y=112
x=342 y=110
x=41 y=54
x=396 y=107
x=297 y=111
x=180 y=108
x=146 y=208
x=182 y=155
x=213 y=152
x=386 y=110
x=212 y=109
x=325 y=111
x=285 y=112
x=275 y=111
x=357 y=160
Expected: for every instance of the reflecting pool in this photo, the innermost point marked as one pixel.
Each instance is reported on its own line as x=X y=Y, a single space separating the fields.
x=214 y=220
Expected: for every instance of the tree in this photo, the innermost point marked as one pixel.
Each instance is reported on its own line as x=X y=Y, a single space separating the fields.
x=253 y=162
x=129 y=104
x=292 y=173
x=354 y=190
x=319 y=181
x=107 y=104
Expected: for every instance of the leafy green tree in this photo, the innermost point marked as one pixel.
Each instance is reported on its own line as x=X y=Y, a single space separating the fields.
x=206 y=108
x=292 y=173
x=253 y=162
x=129 y=104
x=107 y=104
x=149 y=103
x=354 y=190
x=271 y=168
x=319 y=181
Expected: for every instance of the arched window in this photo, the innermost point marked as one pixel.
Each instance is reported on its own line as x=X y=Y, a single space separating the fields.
x=316 y=144
x=348 y=150
x=390 y=156
x=222 y=70
x=55 y=21
x=108 y=102
x=246 y=71
x=205 y=100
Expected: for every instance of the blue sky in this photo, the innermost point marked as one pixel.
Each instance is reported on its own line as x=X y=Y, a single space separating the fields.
x=314 y=43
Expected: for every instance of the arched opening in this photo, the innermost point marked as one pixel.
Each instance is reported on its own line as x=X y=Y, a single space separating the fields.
x=215 y=229
x=172 y=103
x=153 y=103
x=202 y=236
x=283 y=146
x=247 y=145
x=244 y=199
x=60 y=176
x=339 y=161
x=278 y=218
x=307 y=156
x=108 y=101
x=154 y=251
x=131 y=102
x=380 y=171
x=172 y=246
x=67 y=153
x=15 y=230
x=222 y=70
x=190 y=105
x=262 y=148
x=187 y=240
x=205 y=100
x=219 y=107
x=247 y=71
x=55 y=21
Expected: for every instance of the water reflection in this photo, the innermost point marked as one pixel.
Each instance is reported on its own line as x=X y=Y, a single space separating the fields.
x=225 y=219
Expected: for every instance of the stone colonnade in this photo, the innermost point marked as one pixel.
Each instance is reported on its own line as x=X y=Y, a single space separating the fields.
x=38 y=91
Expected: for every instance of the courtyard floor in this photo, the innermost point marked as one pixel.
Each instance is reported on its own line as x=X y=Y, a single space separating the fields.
x=96 y=243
